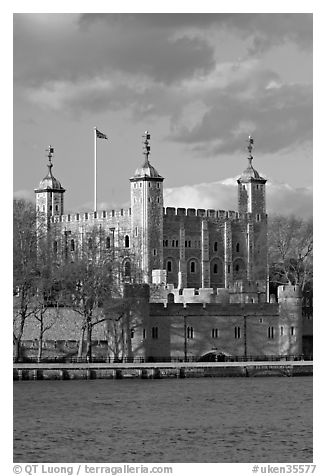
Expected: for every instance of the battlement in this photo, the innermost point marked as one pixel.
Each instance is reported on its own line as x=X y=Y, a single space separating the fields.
x=213 y=214
x=289 y=291
x=92 y=216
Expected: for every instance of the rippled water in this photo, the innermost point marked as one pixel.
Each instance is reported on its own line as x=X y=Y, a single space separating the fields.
x=216 y=420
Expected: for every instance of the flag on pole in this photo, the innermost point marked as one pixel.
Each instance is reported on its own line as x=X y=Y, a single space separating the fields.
x=100 y=135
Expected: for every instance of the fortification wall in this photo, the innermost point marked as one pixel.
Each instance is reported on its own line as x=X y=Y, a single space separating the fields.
x=177 y=213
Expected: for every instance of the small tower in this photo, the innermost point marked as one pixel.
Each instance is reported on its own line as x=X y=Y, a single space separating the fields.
x=251 y=188
x=147 y=215
x=49 y=194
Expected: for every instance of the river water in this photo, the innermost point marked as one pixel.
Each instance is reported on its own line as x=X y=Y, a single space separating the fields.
x=205 y=420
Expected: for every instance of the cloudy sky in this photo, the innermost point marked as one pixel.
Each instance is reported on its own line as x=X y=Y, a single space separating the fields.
x=200 y=83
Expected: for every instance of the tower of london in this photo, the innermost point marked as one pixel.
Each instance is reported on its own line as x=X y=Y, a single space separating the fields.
x=173 y=247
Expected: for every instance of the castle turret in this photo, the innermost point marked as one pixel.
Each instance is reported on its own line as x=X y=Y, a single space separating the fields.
x=290 y=302
x=49 y=194
x=147 y=215
x=251 y=188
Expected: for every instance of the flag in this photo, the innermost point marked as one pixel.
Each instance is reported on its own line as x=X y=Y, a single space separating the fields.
x=100 y=135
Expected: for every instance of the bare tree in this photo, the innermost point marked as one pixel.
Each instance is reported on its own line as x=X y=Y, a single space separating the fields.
x=290 y=250
x=24 y=268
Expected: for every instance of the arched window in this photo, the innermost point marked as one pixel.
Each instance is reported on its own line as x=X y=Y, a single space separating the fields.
x=215 y=246
x=237 y=267
x=72 y=245
x=192 y=266
x=127 y=269
x=215 y=268
x=127 y=241
x=237 y=248
x=170 y=297
x=169 y=266
x=108 y=242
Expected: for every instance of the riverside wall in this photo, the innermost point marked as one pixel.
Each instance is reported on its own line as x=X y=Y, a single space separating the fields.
x=89 y=371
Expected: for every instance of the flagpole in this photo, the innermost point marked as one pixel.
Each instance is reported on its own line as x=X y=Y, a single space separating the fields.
x=95 y=172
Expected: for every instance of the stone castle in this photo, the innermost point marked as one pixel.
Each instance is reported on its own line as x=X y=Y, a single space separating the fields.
x=205 y=271
x=186 y=248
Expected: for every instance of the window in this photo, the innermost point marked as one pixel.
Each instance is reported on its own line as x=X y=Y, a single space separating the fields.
x=72 y=245
x=176 y=243
x=215 y=268
x=127 y=241
x=149 y=184
x=173 y=243
x=270 y=333
x=215 y=333
x=237 y=332
x=149 y=199
x=158 y=185
x=169 y=266
x=144 y=333
x=127 y=269
x=190 y=332
x=292 y=331
x=55 y=246
x=135 y=185
x=158 y=199
x=237 y=248
x=154 y=252
x=170 y=298
x=136 y=231
x=282 y=331
x=56 y=208
x=229 y=268
x=107 y=242
x=215 y=246
x=192 y=266
x=154 y=332
x=165 y=243
x=132 y=333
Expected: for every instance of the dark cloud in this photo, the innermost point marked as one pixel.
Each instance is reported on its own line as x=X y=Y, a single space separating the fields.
x=71 y=53
x=280 y=116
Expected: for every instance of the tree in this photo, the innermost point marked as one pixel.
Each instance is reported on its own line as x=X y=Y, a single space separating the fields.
x=34 y=273
x=24 y=267
x=92 y=285
x=290 y=250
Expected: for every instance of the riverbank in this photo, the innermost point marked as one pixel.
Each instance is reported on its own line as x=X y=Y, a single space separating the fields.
x=88 y=371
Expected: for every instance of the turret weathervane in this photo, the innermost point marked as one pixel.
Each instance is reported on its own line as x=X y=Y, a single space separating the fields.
x=146 y=145
x=250 y=147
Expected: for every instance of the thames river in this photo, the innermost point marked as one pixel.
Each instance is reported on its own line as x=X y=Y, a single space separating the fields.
x=204 y=420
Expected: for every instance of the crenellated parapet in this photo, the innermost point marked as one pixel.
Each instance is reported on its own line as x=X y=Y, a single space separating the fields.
x=92 y=216
x=170 y=212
